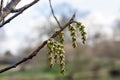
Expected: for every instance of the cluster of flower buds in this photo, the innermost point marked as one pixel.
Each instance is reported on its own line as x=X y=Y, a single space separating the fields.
x=55 y=53
x=82 y=31
x=72 y=31
x=56 y=47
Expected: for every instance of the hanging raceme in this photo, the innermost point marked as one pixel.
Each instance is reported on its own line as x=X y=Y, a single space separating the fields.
x=61 y=37
x=50 y=45
x=72 y=30
x=81 y=29
x=56 y=47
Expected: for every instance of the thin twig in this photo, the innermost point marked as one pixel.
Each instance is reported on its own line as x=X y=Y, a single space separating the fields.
x=1 y=10
x=17 y=14
x=35 y=52
x=1 y=5
x=54 y=14
x=17 y=10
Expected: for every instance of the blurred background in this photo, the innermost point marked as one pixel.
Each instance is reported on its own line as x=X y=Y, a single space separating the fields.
x=98 y=59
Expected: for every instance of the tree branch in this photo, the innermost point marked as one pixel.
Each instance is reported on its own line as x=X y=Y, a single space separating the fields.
x=7 y=10
x=21 y=10
x=35 y=52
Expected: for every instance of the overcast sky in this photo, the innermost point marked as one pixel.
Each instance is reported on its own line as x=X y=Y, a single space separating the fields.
x=20 y=28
